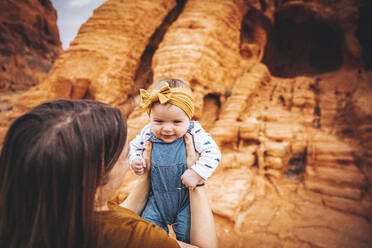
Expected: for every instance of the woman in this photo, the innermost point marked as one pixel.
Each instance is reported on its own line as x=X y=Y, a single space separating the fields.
x=58 y=168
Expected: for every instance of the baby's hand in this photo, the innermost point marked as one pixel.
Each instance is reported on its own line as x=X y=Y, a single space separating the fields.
x=138 y=165
x=190 y=179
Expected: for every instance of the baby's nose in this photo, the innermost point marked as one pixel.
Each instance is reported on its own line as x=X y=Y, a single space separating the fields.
x=167 y=127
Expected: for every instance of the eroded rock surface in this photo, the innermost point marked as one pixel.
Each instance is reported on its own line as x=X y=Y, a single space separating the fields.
x=283 y=87
x=29 y=43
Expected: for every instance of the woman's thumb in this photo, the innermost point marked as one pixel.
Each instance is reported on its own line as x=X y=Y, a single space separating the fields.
x=147 y=154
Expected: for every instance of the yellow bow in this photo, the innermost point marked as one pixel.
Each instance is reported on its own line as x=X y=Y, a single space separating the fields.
x=180 y=97
x=163 y=96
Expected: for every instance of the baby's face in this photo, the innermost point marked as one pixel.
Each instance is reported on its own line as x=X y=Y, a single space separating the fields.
x=168 y=122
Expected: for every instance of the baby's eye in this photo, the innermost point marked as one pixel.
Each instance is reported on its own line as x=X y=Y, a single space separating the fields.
x=177 y=121
x=158 y=121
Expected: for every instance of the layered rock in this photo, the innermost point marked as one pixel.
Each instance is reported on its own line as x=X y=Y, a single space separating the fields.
x=289 y=109
x=29 y=43
x=102 y=62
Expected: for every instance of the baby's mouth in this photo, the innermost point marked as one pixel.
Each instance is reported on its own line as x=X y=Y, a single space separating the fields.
x=167 y=135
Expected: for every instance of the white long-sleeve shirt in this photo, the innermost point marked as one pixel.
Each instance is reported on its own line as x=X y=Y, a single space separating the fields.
x=210 y=154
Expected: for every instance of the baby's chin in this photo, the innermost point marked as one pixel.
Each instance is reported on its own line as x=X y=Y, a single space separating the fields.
x=169 y=139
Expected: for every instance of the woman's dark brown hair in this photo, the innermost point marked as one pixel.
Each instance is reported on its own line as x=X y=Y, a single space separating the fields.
x=52 y=160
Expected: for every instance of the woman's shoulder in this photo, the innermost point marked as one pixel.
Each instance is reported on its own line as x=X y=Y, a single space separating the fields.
x=124 y=228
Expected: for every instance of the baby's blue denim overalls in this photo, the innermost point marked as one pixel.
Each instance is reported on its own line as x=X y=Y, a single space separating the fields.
x=168 y=202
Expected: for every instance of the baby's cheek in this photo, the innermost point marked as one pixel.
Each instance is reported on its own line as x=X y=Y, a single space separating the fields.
x=182 y=131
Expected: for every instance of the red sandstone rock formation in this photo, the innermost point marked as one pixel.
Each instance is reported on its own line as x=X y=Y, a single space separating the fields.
x=282 y=86
x=29 y=43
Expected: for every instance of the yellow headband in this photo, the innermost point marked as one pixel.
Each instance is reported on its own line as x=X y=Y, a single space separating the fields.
x=180 y=97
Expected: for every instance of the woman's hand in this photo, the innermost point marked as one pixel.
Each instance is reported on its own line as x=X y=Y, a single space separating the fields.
x=137 y=198
x=190 y=178
x=147 y=157
x=192 y=155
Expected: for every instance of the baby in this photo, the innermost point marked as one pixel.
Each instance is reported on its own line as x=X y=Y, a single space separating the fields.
x=170 y=107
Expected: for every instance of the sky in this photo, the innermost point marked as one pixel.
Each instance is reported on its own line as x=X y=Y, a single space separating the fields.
x=71 y=14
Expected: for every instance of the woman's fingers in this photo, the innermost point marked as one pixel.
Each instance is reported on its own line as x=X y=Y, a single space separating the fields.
x=147 y=156
x=192 y=155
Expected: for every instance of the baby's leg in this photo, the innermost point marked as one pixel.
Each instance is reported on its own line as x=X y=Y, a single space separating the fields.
x=182 y=227
x=152 y=214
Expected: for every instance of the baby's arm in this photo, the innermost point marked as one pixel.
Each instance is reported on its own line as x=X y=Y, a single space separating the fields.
x=208 y=161
x=137 y=146
x=190 y=178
